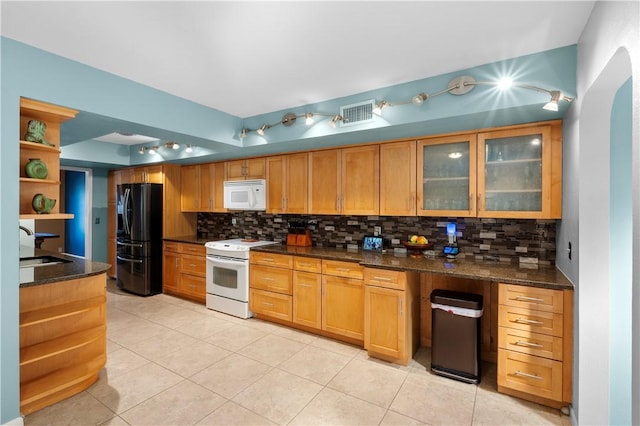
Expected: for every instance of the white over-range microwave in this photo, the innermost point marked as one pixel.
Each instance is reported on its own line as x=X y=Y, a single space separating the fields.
x=245 y=194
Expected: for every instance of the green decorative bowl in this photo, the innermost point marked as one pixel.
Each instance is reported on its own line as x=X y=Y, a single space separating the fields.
x=36 y=168
x=42 y=204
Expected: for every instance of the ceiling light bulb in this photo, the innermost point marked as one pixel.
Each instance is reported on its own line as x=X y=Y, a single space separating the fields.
x=552 y=105
x=505 y=83
x=188 y=149
x=308 y=119
x=176 y=145
x=334 y=121
x=261 y=130
x=152 y=150
x=419 y=99
x=243 y=133
x=141 y=150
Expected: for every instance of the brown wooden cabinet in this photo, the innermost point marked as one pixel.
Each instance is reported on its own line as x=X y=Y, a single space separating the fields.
x=270 y=285
x=184 y=270
x=509 y=172
x=63 y=337
x=391 y=312
x=307 y=291
x=343 y=298
x=248 y=168
x=287 y=183
x=398 y=179
x=535 y=343
x=52 y=116
x=345 y=181
x=202 y=187
x=146 y=174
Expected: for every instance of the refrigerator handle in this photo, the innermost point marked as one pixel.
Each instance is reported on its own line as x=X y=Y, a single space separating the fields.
x=125 y=215
x=120 y=243
x=129 y=260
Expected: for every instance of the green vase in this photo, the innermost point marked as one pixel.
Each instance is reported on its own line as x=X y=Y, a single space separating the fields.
x=36 y=168
x=42 y=204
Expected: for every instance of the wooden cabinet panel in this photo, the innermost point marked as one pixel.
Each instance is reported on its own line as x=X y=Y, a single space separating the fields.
x=539 y=299
x=147 y=174
x=287 y=183
x=193 y=264
x=192 y=285
x=268 y=278
x=343 y=306
x=529 y=374
x=530 y=343
x=528 y=320
x=190 y=188
x=360 y=170
x=276 y=184
x=250 y=168
x=202 y=187
x=194 y=249
x=342 y=269
x=307 y=299
x=398 y=176
x=271 y=259
x=271 y=304
x=385 y=322
x=385 y=278
x=184 y=270
x=309 y=264
x=170 y=271
x=324 y=182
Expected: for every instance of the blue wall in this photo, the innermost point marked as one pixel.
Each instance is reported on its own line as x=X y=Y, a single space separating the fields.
x=621 y=223
x=36 y=74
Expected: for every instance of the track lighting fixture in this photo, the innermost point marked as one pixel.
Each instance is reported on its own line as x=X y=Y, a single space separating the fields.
x=188 y=149
x=171 y=145
x=458 y=86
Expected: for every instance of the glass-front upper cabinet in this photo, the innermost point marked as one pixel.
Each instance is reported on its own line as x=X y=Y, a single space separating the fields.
x=447 y=176
x=514 y=173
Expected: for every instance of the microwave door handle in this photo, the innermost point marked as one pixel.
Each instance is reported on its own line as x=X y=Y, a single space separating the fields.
x=252 y=198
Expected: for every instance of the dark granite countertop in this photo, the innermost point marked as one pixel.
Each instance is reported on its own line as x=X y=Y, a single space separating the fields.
x=530 y=275
x=76 y=268
x=191 y=239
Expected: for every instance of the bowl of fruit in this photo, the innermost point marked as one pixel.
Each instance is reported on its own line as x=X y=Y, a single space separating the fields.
x=417 y=243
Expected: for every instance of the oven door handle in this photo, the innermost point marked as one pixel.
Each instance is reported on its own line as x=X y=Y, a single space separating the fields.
x=225 y=261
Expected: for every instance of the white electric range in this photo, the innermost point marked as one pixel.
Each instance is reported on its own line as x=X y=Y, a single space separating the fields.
x=228 y=275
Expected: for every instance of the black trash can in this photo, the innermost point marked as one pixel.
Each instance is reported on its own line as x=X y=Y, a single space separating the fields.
x=455 y=335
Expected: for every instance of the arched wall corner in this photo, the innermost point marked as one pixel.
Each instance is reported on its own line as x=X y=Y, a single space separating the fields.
x=591 y=390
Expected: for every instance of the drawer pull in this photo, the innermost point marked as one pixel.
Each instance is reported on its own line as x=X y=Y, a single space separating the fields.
x=527 y=344
x=192 y=265
x=343 y=269
x=306 y=285
x=527 y=375
x=304 y=264
x=528 y=299
x=376 y=278
x=526 y=321
x=267 y=304
x=268 y=259
x=192 y=285
x=267 y=279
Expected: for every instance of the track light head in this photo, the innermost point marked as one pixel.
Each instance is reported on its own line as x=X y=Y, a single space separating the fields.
x=152 y=150
x=262 y=129
x=379 y=107
x=334 y=121
x=552 y=105
x=188 y=149
x=243 y=133
x=141 y=150
x=420 y=98
x=308 y=119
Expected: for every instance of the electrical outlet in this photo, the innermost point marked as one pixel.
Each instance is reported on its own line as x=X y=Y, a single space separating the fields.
x=234 y=221
x=97 y=221
x=377 y=230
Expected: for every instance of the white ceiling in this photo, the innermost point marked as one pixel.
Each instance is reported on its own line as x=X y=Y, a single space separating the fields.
x=248 y=58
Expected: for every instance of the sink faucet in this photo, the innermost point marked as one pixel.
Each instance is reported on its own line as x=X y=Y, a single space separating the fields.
x=27 y=230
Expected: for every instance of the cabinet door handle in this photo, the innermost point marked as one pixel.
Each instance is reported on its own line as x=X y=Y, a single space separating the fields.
x=376 y=278
x=268 y=259
x=471 y=197
x=343 y=269
x=526 y=321
x=527 y=375
x=177 y=261
x=528 y=299
x=527 y=344
x=306 y=285
x=267 y=304
x=400 y=307
x=479 y=202
x=337 y=203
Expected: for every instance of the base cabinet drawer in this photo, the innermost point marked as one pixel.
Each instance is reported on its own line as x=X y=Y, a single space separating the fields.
x=528 y=320
x=192 y=285
x=530 y=374
x=272 y=304
x=530 y=343
x=267 y=278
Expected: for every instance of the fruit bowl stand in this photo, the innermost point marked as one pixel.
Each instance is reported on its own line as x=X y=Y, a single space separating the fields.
x=416 y=249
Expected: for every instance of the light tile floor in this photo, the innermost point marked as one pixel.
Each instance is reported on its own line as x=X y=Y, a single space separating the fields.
x=174 y=362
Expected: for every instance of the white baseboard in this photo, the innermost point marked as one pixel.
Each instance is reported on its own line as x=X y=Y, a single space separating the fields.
x=18 y=421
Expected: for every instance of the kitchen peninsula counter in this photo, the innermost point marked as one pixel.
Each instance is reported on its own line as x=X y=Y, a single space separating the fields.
x=76 y=268
x=494 y=271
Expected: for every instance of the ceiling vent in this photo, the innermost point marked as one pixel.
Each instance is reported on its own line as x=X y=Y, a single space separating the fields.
x=361 y=112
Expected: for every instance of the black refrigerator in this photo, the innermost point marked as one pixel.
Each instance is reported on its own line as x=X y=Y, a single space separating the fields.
x=139 y=238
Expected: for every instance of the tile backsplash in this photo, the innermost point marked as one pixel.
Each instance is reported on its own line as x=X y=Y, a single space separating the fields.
x=506 y=240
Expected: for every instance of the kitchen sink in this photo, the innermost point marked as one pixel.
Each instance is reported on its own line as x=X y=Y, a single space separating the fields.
x=29 y=262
